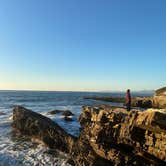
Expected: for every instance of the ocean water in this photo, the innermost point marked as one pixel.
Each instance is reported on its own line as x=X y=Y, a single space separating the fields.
x=16 y=151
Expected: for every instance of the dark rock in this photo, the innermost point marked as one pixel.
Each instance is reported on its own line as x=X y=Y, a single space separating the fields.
x=142 y=102
x=159 y=99
x=35 y=125
x=55 y=112
x=108 y=99
x=67 y=113
x=2 y=113
x=67 y=118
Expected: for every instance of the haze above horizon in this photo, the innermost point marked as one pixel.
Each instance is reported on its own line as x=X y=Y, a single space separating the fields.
x=82 y=45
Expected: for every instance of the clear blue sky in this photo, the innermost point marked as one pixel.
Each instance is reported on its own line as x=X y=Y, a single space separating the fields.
x=82 y=44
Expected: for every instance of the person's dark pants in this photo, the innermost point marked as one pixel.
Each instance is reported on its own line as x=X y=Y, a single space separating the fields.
x=128 y=106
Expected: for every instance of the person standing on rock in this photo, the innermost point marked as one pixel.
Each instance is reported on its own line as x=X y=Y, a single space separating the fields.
x=128 y=100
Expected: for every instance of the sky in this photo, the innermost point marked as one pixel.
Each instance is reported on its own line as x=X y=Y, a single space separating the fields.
x=82 y=45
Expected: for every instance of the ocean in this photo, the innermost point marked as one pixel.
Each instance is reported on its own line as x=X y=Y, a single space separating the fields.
x=22 y=151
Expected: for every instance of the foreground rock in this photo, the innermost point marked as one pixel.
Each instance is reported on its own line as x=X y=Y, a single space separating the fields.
x=109 y=136
x=35 y=125
x=135 y=138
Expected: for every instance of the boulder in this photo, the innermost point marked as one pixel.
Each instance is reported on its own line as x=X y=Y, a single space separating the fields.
x=2 y=113
x=35 y=125
x=55 y=112
x=67 y=113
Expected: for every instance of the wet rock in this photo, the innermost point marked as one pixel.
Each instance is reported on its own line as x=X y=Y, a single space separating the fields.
x=67 y=118
x=67 y=113
x=55 y=112
x=2 y=113
x=35 y=125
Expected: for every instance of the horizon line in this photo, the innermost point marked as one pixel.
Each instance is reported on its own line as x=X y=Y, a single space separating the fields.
x=105 y=91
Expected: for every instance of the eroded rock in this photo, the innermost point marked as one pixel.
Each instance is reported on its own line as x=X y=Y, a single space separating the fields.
x=35 y=125
x=125 y=138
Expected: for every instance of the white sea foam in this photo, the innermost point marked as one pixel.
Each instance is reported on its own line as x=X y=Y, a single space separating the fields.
x=27 y=153
x=20 y=151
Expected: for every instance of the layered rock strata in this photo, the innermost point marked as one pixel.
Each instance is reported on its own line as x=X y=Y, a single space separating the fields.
x=126 y=138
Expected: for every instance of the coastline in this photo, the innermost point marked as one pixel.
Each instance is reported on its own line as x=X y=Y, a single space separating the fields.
x=109 y=136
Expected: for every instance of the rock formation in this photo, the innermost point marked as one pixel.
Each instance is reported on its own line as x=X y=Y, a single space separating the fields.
x=126 y=138
x=159 y=99
x=2 y=113
x=35 y=125
x=109 y=136
x=156 y=101
x=55 y=112
x=67 y=113
x=161 y=91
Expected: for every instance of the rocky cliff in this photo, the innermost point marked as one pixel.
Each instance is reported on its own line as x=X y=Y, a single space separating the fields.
x=109 y=136
x=126 y=138
x=159 y=99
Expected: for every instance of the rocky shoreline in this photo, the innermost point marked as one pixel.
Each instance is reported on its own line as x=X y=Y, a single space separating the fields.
x=156 y=101
x=109 y=136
